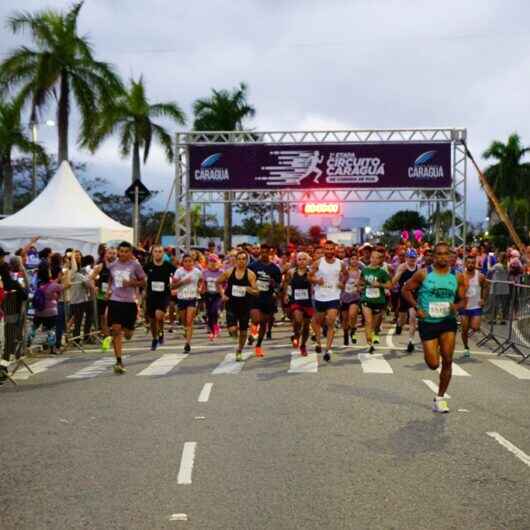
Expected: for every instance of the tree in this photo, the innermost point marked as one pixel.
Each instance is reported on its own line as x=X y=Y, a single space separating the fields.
x=259 y=210
x=276 y=235
x=131 y=115
x=61 y=66
x=224 y=110
x=315 y=233
x=12 y=136
x=404 y=220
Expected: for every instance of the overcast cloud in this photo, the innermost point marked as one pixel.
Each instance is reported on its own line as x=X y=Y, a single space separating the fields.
x=317 y=65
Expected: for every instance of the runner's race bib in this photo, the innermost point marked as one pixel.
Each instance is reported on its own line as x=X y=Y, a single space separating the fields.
x=211 y=286
x=472 y=290
x=120 y=277
x=301 y=294
x=188 y=292
x=350 y=288
x=158 y=287
x=263 y=285
x=439 y=309
x=372 y=292
x=104 y=287
x=289 y=290
x=239 y=291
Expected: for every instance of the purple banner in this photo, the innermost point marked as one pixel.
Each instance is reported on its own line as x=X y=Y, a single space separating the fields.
x=310 y=166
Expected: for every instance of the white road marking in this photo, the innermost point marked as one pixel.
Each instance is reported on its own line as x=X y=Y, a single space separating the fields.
x=230 y=366
x=178 y=517
x=512 y=448
x=390 y=339
x=513 y=368
x=303 y=365
x=457 y=370
x=434 y=387
x=95 y=369
x=374 y=364
x=186 y=463
x=165 y=364
x=204 y=396
x=40 y=366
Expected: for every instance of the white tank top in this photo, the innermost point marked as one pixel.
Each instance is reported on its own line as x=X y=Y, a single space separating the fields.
x=473 y=292
x=330 y=272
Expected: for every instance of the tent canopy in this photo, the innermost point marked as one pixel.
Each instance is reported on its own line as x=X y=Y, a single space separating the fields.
x=63 y=216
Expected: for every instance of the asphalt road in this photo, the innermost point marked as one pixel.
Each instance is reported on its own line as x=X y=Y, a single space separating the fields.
x=353 y=444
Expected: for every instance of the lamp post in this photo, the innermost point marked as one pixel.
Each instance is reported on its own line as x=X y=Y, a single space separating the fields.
x=33 y=124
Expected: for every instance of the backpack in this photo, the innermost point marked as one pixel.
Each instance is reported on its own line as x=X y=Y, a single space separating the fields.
x=39 y=299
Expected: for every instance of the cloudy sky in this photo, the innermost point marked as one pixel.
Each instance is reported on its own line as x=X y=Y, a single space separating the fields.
x=325 y=64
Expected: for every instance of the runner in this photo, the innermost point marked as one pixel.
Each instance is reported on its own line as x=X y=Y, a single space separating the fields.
x=158 y=291
x=297 y=287
x=268 y=281
x=240 y=285
x=436 y=308
x=126 y=276
x=349 y=300
x=374 y=280
x=476 y=293
x=100 y=275
x=212 y=295
x=187 y=281
x=404 y=273
x=326 y=276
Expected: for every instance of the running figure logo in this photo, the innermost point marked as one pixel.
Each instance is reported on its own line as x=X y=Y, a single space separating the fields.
x=293 y=167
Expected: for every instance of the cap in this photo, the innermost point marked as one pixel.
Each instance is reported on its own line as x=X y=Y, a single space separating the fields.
x=3 y=252
x=411 y=253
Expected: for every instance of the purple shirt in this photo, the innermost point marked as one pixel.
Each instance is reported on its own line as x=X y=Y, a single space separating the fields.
x=52 y=290
x=121 y=271
x=210 y=278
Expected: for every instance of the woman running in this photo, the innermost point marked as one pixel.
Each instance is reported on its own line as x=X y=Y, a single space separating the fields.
x=212 y=294
x=350 y=299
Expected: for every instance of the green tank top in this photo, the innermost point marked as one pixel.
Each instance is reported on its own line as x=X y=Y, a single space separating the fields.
x=436 y=294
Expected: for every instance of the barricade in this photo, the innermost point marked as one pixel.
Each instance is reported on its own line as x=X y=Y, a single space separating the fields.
x=507 y=318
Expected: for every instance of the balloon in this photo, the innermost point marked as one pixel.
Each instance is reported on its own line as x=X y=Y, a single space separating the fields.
x=405 y=235
x=418 y=235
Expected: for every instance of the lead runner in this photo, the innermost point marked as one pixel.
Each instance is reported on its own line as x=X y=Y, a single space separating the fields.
x=438 y=291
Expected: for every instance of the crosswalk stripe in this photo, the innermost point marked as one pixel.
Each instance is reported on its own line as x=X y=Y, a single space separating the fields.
x=303 y=365
x=95 y=369
x=457 y=370
x=374 y=364
x=513 y=368
x=165 y=364
x=434 y=387
x=40 y=366
x=229 y=365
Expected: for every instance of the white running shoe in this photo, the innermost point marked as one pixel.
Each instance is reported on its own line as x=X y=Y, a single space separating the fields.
x=439 y=404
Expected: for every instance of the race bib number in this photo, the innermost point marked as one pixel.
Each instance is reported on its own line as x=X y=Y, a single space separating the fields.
x=158 y=287
x=104 y=287
x=188 y=292
x=211 y=286
x=350 y=288
x=263 y=285
x=239 y=291
x=289 y=290
x=471 y=290
x=301 y=294
x=372 y=292
x=439 y=309
x=120 y=277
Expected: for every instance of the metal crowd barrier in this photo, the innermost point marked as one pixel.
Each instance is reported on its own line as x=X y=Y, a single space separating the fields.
x=506 y=318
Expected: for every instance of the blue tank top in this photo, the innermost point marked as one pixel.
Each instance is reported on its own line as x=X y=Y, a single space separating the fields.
x=436 y=294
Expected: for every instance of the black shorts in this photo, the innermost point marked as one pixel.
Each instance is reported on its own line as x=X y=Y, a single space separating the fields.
x=376 y=308
x=345 y=306
x=156 y=303
x=237 y=317
x=122 y=313
x=266 y=305
x=102 y=307
x=322 y=307
x=184 y=304
x=433 y=330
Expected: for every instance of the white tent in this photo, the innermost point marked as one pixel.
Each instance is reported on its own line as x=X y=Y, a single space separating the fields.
x=63 y=216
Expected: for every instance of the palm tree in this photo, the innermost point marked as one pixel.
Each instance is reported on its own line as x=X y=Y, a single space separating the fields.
x=131 y=115
x=61 y=66
x=224 y=110
x=13 y=136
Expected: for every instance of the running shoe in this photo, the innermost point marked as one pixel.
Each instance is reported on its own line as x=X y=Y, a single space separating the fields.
x=398 y=330
x=239 y=357
x=154 y=344
x=372 y=349
x=217 y=330
x=439 y=404
x=353 y=338
x=187 y=348
x=467 y=353
x=294 y=341
x=106 y=344
x=303 y=351
x=346 y=339
x=410 y=347
x=259 y=351
x=327 y=356
x=318 y=348
x=376 y=339
x=119 y=369
x=161 y=339
x=211 y=336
